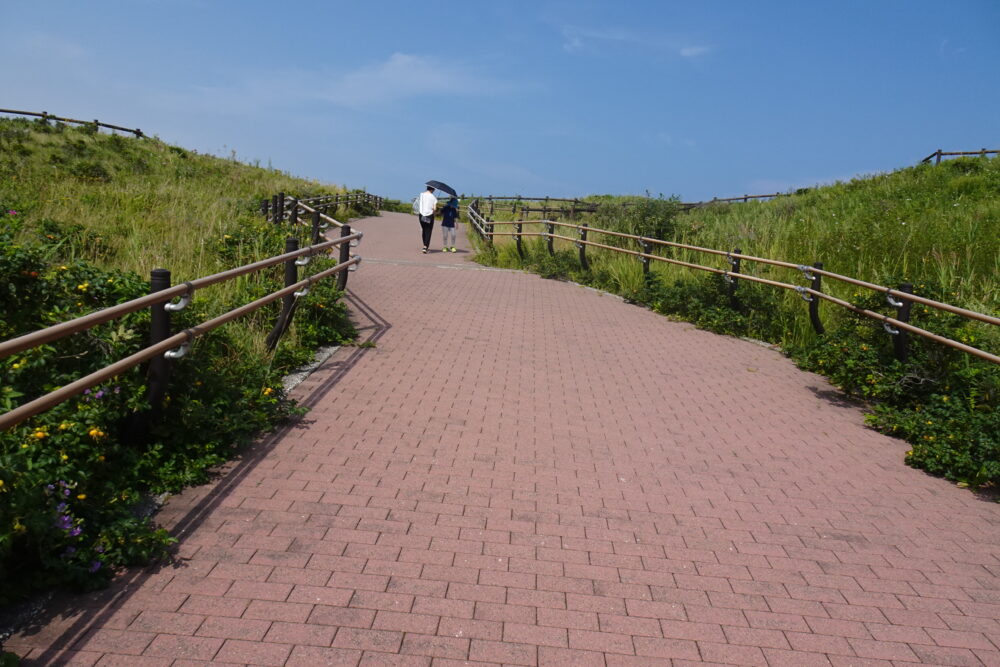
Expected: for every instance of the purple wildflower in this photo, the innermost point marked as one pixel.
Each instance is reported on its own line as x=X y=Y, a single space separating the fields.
x=61 y=507
x=86 y=391
x=66 y=493
x=95 y=566
x=99 y=549
x=76 y=531
x=99 y=394
x=49 y=488
x=11 y=211
x=64 y=522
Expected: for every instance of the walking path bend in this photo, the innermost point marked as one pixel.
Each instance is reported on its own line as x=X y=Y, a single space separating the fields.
x=524 y=472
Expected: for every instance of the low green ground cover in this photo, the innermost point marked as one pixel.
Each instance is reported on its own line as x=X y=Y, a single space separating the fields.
x=937 y=227
x=84 y=217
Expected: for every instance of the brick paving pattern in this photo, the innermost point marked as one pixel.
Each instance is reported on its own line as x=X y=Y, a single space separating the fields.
x=527 y=472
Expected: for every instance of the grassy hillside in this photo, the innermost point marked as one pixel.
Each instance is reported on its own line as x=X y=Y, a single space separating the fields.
x=84 y=217
x=136 y=204
x=937 y=227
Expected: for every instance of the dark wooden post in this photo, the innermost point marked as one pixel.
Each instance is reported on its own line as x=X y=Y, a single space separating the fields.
x=517 y=240
x=647 y=249
x=734 y=266
x=345 y=255
x=158 y=372
x=584 y=264
x=937 y=159
x=550 y=229
x=817 y=286
x=900 y=342
x=287 y=301
x=281 y=207
x=293 y=213
x=315 y=227
x=274 y=209
x=263 y=208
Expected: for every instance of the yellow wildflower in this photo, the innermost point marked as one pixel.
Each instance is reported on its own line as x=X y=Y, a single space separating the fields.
x=81 y=496
x=39 y=434
x=83 y=287
x=268 y=391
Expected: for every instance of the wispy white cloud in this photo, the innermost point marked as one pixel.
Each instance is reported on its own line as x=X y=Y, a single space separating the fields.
x=577 y=39
x=947 y=50
x=405 y=76
x=380 y=85
x=580 y=40
x=40 y=45
x=694 y=51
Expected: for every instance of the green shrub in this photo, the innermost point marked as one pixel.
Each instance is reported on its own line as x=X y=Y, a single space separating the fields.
x=76 y=481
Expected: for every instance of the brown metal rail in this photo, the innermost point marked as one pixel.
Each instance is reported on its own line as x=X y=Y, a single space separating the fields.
x=484 y=227
x=43 y=403
x=45 y=116
x=63 y=329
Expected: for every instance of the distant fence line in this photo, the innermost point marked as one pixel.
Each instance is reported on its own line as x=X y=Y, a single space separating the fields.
x=938 y=154
x=571 y=207
x=45 y=116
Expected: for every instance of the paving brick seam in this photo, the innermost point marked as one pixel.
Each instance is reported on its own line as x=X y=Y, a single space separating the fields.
x=522 y=471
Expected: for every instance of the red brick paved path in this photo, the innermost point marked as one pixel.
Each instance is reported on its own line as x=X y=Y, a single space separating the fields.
x=529 y=472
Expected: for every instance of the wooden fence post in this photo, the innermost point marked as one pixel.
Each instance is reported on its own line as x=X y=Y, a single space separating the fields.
x=315 y=227
x=734 y=265
x=158 y=371
x=287 y=301
x=900 y=341
x=345 y=255
x=817 y=286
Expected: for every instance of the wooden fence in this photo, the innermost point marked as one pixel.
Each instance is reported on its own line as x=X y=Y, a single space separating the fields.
x=901 y=298
x=46 y=116
x=938 y=154
x=164 y=345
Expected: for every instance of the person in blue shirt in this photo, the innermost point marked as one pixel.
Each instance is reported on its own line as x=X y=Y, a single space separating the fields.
x=448 y=217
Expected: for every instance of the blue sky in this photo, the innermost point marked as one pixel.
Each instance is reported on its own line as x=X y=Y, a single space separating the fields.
x=694 y=98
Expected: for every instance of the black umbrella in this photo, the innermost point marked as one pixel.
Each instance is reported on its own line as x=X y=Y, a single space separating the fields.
x=443 y=187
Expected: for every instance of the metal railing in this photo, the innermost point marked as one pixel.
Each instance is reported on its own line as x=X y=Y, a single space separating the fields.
x=901 y=299
x=280 y=208
x=938 y=154
x=570 y=208
x=44 y=115
x=165 y=346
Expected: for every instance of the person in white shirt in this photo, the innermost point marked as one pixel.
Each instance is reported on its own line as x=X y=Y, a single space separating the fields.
x=427 y=206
